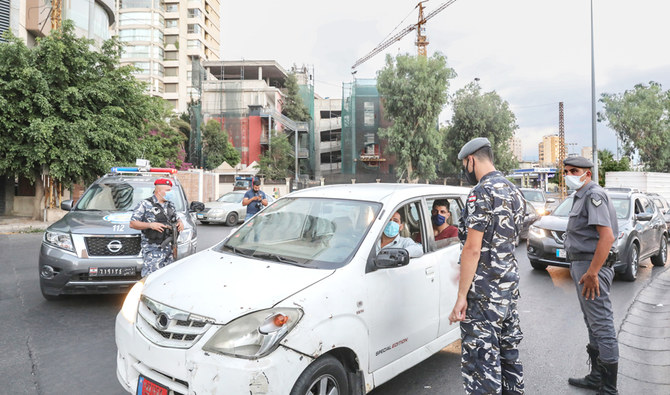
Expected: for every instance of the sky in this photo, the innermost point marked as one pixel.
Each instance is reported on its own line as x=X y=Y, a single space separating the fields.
x=533 y=53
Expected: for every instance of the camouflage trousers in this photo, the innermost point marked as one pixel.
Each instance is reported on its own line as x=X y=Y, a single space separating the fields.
x=490 y=335
x=155 y=257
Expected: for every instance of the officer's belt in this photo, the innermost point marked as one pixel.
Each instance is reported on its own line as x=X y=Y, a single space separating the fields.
x=587 y=257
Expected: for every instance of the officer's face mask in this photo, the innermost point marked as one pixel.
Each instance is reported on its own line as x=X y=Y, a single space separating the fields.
x=392 y=229
x=169 y=196
x=575 y=182
x=470 y=176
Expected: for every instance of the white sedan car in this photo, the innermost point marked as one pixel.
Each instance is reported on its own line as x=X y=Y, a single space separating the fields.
x=297 y=300
x=227 y=209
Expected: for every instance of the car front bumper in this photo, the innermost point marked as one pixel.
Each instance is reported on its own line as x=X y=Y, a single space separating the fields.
x=194 y=371
x=544 y=250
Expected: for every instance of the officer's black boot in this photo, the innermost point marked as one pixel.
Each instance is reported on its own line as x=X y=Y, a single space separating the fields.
x=591 y=380
x=608 y=373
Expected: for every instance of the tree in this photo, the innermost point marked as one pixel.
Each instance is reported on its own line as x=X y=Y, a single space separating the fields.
x=277 y=161
x=414 y=91
x=293 y=106
x=68 y=110
x=217 y=148
x=163 y=143
x=607 y=163
x=641 y=120
x=477 y=114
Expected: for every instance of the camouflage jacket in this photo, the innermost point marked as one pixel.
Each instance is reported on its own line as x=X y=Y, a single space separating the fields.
x=146 y=212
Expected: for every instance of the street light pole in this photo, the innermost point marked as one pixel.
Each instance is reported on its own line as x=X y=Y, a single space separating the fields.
x=594 y=134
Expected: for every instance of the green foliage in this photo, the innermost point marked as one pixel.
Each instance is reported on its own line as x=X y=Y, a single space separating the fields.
x=414 y=90
x=641 y=119
x=478 y=114
x=163 y=144
x=293 y=106
x=71 y=110
x=607 y=163
x=277 y=161
x=216 y=147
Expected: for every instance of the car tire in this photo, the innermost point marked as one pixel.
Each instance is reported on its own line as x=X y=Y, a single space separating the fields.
x=231 y=220
x=660 y=258
x=537 y=265
x=47 y=296
x=204 y=222
x=630 y=274
x=323 y=376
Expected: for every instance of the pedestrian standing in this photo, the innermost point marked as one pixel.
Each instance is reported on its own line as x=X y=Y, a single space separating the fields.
x=254 y=199
x=489 y=277
x=592 y=225
x=155 y=217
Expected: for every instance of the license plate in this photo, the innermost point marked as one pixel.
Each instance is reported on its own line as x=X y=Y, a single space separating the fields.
x=111 y=271
x=560 y=253
x=200 y=215
x=148 y=387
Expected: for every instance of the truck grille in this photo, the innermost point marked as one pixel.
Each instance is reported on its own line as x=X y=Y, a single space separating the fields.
x=169 y=327
x=113 y=246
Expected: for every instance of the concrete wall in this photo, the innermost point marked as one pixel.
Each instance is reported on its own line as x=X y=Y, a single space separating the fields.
x=191 y=181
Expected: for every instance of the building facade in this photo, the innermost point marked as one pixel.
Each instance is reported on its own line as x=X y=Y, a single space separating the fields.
x=516 y=148
x=548 y=150
x=163 y=38
x=327 y=137
x=587 y=152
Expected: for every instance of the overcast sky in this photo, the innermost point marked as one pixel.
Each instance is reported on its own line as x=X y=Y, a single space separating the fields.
x=533 y=53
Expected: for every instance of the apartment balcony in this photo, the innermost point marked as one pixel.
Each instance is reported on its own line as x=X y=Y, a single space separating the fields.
x=330 y=167
x=328 y=146
x=329 y=124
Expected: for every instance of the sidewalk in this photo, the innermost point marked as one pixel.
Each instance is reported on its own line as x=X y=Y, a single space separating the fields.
x=644 y=340
x=11 y=224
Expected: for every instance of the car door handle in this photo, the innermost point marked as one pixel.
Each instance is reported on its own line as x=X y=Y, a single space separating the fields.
x=430 y=271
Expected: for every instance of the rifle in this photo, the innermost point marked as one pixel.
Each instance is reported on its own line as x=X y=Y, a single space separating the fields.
x=175 y=236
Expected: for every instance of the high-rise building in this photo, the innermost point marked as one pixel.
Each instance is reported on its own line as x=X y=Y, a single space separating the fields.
x=516 y=148
x=548 y=150
x=587 y=152
x=162 y=39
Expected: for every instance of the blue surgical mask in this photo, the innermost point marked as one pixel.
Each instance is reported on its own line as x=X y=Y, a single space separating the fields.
x=392 y=229
x=169 y=196
x=438 y=220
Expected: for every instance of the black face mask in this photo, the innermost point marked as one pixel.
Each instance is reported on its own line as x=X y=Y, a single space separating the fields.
x=470 y=176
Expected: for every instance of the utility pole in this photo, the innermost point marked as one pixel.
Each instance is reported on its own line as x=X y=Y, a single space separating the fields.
x=56 y=7
x=594 y=132
x=561 y=147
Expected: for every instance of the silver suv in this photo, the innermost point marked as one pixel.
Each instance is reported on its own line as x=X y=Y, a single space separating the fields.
x=92 y=249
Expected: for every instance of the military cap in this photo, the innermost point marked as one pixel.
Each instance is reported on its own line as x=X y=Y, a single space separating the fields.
x=163 y=181
x=578 y=161
x=473 y=145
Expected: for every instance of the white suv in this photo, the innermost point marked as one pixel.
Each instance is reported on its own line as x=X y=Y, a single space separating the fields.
x=297 y=301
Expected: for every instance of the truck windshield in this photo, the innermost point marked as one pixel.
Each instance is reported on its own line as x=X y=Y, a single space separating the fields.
x=122 y=196
x=314 y=232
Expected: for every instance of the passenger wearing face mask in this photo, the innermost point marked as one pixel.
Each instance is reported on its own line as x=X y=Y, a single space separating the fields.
x=155 y=217
x=391 y=238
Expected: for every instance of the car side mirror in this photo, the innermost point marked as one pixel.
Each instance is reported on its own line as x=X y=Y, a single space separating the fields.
x=66 y=205
x=551 y=200
x=392 y=257
x=643 y=217
x=196 y=206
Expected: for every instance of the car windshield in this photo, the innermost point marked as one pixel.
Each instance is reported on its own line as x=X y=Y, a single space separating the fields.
x=231 y=198
x=313 y=232
x=533 y=196
x=122 y=196
x=621 y=206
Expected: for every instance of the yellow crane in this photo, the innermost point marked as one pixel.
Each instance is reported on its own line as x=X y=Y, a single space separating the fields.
x=56 y=7
x=421 y=38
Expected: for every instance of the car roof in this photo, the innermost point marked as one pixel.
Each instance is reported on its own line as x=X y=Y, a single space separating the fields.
x=378 y=192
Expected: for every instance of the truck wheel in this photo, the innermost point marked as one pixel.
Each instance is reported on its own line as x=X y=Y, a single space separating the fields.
x=232 y=219
x=633 y=261
x=659 y=259
x=324 y=376
x=537 y=265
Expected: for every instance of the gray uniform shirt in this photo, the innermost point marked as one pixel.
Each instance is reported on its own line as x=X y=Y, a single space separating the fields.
x=591 y=207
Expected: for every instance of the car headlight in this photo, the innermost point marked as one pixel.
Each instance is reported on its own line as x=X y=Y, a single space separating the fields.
x=216 y=212
x=254 y=335
x=129 y=309
x=541 y=211
x=184 y=236
x=59 y=239
x=537 y=231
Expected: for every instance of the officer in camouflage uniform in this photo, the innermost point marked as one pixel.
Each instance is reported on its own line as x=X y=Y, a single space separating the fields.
x=489 y=282
x=589 y=238
x=154 y=217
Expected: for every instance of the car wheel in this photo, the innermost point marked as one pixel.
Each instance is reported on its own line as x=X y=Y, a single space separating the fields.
x=537 y=265
x=633 y=262
x=324 y=376
x=232 y=219
x=204 y=222
x=659 y=259
x=47 y=296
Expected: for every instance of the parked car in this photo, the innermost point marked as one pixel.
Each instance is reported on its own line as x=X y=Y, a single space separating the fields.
x=242 y=183
x=642 y=234
x=529 y=218
x=538 y=199
x=227 y=209
x=297 y=300
x=92 y=249
x=662 y=205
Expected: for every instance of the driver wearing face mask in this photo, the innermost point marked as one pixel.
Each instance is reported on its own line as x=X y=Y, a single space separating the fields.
x=155 y=217
x=391 y=238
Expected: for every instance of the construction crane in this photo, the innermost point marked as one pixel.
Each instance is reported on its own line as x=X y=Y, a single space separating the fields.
x=421 y=38
x=56 y=7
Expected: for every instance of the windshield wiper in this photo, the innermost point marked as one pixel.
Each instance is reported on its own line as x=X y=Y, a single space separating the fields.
x=276 y=257
x=238 y=251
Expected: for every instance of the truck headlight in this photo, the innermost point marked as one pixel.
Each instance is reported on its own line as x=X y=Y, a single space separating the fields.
x=537 y=232
x=59 y=239
x=184 y=236
x=129 y=309
x=254 y=335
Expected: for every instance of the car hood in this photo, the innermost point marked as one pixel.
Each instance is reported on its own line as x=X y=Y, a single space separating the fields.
x=222 y=205
x=223 y=286
x=552 y=222
x=98 y=222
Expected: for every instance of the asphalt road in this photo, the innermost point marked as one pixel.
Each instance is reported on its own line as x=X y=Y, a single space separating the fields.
x=67 y=346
